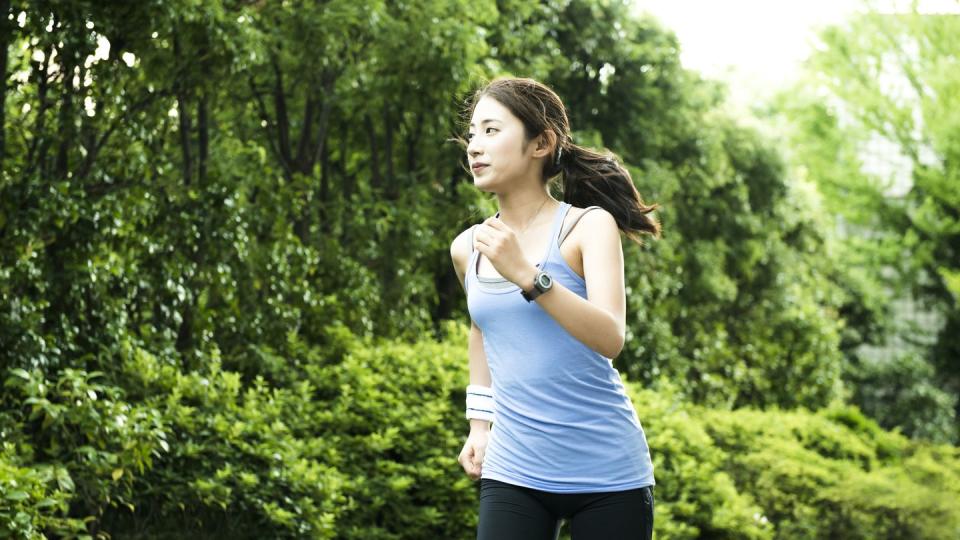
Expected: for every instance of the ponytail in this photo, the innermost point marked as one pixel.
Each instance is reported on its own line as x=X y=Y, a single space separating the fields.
x=590 y=178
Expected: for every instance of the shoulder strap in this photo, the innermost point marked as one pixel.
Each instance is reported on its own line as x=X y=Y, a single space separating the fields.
x=566 y=230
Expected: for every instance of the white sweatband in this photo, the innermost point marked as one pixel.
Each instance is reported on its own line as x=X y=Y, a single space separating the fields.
x=480 y=402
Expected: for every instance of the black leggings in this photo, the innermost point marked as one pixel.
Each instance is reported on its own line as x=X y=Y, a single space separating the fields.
x=509 y=512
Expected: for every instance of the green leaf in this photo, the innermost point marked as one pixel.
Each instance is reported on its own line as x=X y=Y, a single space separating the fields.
x=17 y=496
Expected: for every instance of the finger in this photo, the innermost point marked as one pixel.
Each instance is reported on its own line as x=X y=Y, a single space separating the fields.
x=488 y=230
x=479 y=236
x=483 y=245
x=497 y=225
x=487 y=236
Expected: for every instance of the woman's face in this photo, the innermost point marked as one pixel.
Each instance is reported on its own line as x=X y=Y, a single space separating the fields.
x=497 y=142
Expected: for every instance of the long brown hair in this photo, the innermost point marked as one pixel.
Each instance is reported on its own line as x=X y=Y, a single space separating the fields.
x=588 y=177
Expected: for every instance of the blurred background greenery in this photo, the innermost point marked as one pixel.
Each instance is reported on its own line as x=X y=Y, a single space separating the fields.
x=227 y=308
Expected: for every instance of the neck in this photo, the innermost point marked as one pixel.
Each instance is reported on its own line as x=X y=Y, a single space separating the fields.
x=518 y=209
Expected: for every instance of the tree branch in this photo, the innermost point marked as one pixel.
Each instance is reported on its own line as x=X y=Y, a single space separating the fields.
x=266 y=123
x=280 y=107
x=301 y=161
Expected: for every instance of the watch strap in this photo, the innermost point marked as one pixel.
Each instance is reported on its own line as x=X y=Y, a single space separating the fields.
x=537 y=290
x=532 y=295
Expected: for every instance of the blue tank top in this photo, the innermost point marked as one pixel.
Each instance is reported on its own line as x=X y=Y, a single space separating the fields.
x=563 y=421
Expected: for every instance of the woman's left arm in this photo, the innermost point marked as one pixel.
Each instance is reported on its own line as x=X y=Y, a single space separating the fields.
x=599 y=321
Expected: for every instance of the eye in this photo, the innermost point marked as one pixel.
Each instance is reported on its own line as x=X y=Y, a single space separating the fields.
x=470 y=135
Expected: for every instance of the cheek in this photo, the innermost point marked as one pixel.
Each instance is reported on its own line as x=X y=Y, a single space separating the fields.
x=507 y=151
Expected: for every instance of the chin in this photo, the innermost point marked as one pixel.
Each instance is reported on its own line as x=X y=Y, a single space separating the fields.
x=483 y=185
x=486 y=185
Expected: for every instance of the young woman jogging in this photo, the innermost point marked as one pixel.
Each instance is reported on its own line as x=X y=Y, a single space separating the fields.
x=545 y=290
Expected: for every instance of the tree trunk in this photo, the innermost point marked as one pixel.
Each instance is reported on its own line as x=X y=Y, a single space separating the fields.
x=65 y=117
x=203 y=138
x=183 y=116
x=6 y=35
x=412 y=143
x=347 y=188
x=283 y=120
x=392 y=187
x=36 y=154
x=304 y=160
x=324 y=201
x=376 y=181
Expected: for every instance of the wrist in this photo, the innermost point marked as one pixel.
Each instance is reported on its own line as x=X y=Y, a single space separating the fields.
x=479 y=425
x=526 y=280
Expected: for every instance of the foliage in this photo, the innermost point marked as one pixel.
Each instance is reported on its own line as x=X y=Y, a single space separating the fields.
x=363 y=444
x=874 y=128
x=224 y=232
x=902 y=393
x=35 y=498
x=793 y=474
x=229 y=190
x=733 y=301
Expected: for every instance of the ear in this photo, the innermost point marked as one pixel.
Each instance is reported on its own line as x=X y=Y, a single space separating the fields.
x=546 y=143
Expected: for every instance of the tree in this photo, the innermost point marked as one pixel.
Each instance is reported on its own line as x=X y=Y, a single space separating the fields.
x=893 y=79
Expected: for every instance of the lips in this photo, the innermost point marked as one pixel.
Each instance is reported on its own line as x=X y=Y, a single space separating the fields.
x=478 y=166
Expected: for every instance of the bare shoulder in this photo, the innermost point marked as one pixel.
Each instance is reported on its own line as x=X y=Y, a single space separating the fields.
x=599 y=220
x=460 y=249
x=590 y=223
x=601 y=248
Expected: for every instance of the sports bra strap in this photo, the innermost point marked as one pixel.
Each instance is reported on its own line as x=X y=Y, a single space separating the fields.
x=563 y=232
x=566 y=230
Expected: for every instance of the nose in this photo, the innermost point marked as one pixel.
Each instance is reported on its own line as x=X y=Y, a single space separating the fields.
x=472 y=148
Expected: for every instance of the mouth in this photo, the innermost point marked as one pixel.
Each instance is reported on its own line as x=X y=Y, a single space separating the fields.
x=477 y=167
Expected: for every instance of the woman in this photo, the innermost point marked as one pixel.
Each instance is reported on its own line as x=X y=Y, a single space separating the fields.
x=545 y=292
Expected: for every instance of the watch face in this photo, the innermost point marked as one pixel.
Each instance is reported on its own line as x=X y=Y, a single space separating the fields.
x=544 y=280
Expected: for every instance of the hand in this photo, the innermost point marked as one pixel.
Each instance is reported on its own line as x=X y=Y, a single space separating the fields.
x=495 y=240
x=474 y=450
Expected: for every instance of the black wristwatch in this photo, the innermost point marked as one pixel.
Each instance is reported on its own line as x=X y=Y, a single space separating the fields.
x=541 y=284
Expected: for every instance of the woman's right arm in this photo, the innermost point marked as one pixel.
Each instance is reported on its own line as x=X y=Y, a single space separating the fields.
x=471 y=457
x=460 y=251
x=479 y=370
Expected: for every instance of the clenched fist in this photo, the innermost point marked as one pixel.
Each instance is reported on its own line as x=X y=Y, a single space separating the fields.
x=471 y=457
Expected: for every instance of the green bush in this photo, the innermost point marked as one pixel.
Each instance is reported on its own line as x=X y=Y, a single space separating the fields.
x=695 y=495
x=82 y=444
x=836 y=474
x=35 y=498
x=362 y=446
x=359 y=441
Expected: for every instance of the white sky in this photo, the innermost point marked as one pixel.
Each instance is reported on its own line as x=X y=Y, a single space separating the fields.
x=758 y=45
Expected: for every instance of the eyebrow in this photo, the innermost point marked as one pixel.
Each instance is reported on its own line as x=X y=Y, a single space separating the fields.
x=482 y=122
